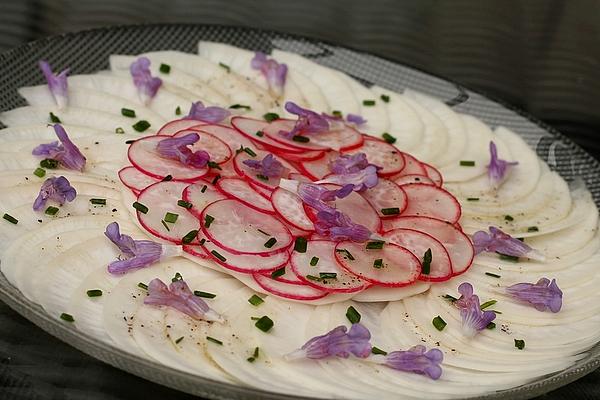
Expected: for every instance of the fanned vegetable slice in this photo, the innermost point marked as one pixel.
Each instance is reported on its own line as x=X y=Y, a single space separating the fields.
x=245 y=263
x=172 y=127
x=232 y=137
x=218 y=150
x=239 y=189
x=382 y=154
x=272 y=132
x=317 y=169
x=412 y=167
x=386 y=195
x=413 y=178
x=254 y=176
x=434 y=174
x=294 y=291
x=289 y=207
x=253 y=130
x=199 y=195
x=431 y=201
x=134 y=179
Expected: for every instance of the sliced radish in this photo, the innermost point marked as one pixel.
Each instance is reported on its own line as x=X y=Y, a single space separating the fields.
x=201 y=194
x=266 y=193
x=239 y=189
x=412 y=167
x=399 y=267
x=299 y=177
x=143 y=155
x=294 y=291
x=382 y=154
x=134 y=179
x=196 y=251
x=322 y=251
x=160 y=199
x=418 y=243
x=431 y=201
x=434 y=174
x=252 y=175
x=340 y=138
x=414 y=178
x=457 y=244
x=249 y=127
x=317 y=169
x=290 y=207
x=246 y=263
x=386 y=194
x=218 y=150
x=272 y=132
x=300 y=157
x=240 y=229
x=230 y=136
x=287 y=277
x=172 y=127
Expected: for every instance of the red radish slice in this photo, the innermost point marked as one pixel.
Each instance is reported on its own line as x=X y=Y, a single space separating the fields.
x=418 y=243
x=340 y=138
x=300 y=157
x=300 y=178
x=434 y=174
x=294 y=291
x=290 y=207
x=201 y=194
x=342 y=282
x=242 y=230
x=386 y=194
x=251 y=174
x=412 y=167
x=134 y=179
x=160 y=199
x=287 y=277
x=399 y=266
x=317 y=169
x=143 y=155
x=272 y=132
x=227 y=171
x=239 y=189
x=249 y=127
x=171 y=128
x=413 y=178
x=245 y=263
x=230 y=136
x=431 y=201
x=457 y=244
x=196 y=251
x=218 y=150
x=266 y=193
x=382 y=154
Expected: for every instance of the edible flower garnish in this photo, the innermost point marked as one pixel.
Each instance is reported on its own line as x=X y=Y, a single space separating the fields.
x=355 y=119
x=57 y=189
x=146 y=84
x=269 y=166
x=274 y=72
x=211 y=114
x=497 y=168
x=314 y=195
x=338 y=226
x=65 y=151
x=309 y=122
x=57 y=84
x=502 y=243
x=349 y=163
x=176 y=148
x=353 y=170
x=474 y=320
x=417 y=360
x=543 y=295
x=179 y=296
x=339 y=342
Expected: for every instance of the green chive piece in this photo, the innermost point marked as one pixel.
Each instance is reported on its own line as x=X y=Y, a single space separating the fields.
x=240 y=106
x=491 y=325
x=450 y=298
x=225 y=67
x=215 y=179
x=191 y=235
x=142 y=286
x=390 y=211
x=54 y=118
x=141 y=125
x=179 y=340
x=492 y=275
x=140 y=207
x=388 y=138
x=264 y=323
x=262 y=177
x=254 y=318
x=39 y=172
x=263 y=232
x=177 y=277
x=377 y=350
x=378 y=263
x=206 y=295
x=313 y=278
x=98 y=202
x=218 y=255
x=467 y=163
x=506 y=257
x=375 y=245
x=249 y=151
x=67 y=317
x=519 y=344
x=216 y=341
x=348 y=256
x=300 y=245
x=165 y=225
x=120 y=130
x=301 y=139
x=164 y=68
x=171 y=217
x=259 y=134
x=178 y=111
x=255 y=300
x=488 y=304
x=368 y=102
x=127 y=112
x=208 y=219
x=439 y=323
x=337 y=113
x=270 y=243
x=254 y=355
x=314 y=261
x=212 y=164
x=130 y=141
x=49 y=163
x=278 y=272
x=385 y=98
x=533 y=229
x=353 y=315
x=51 y=210
x=270 y=117
x=508 y=218
x=202 y=241
x=327 y=275
x=167 y=178
x=184 y=204
x=426 y=262
x=203 y=189
x=472 y=198
x=94 y=293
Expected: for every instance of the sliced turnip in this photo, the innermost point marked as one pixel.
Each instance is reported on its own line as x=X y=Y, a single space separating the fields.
x=240 y=189
x=434 y=174
x=431 y=201
x=294 y=291
x=414 y=178
x=254 y=176
x=385 y=195
x=134 y=179
x=218 y=150
x=246 y=263
x=382 y=154
x=289 y=206
x=201 y=194
x=172 y=127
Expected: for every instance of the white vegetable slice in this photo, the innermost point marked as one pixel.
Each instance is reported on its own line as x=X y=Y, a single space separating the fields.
x=435 y=137
x=44 y=133
x=379 y=293
x=315 y=98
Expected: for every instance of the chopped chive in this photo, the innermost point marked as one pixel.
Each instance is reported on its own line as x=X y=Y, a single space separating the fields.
x=472 y=198
x=376 y=350
x=467 y=163
x=225 y=67
x=130 y=141
x=167 y=178
x=255 y=300
x=378 y=263
x=51 y=210
x=254 y=355
x=142 y=286
x=270 y=117
x=385 y=98
x=439 y=323
x=506 y=257
x=184 y=204
x=216 y=341
x=212 y=164
x=171 y=217
x=165 y=225
x=141 y=125
x=368 y=102
x=215 y=179
x=249 y=151
x=191 y=235
x=127 y=112
x=264 y=323
x=178 y=340
x=508 y=218
x=313 y=278
x=353 y=315
x=278 y=272
x=349 y=256
x=218 y=255
x=300 y=245
x=94 y=293
x=426 y=262
x=254 y=318
x=533 y=229
x=450 y=298
x=39 y=172
x=262 y=177
x=519 y=344
x=99 y=202
x=388 y=138
x=491 y=325
x=206 y=295
x=488 y=304
x=54 y=118
x=177 y=277
x=259 y=134
x=119 y=130
x=375 y=245
x=263 y=232
x=140 y=207
x=270 y=243
x=301 y=139
x=67 y=317
x=49 y=163
x=327 y=275
x=492 y=275
x=178 y=111
x=208 y=219
x=164 y=68
x=337 y=113
x=201 y=242
x=203 y=189
x=314 y=261
x=390 y=211
x=240 y=106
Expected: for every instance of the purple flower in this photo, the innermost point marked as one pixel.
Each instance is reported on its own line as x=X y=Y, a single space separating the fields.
x=134 y=253
x=497 y=168
x=417 y=360
x=309 y=122
x=349 y=163
x=274 y=72
x=176 y=148
x=269 y=166
x=355 y=119
x=179 y=296
x=500 y=242
x=339 y=342
x=338 y=226
x=543 y=295
x=474 y=320
x=65 y=152
x=57 y=84
x=147 y=85
x=57 y=189
x=315 y=195
x=361 y=180
x=213 y=115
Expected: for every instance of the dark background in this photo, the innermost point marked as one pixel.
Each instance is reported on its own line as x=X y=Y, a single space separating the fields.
x=542 y=56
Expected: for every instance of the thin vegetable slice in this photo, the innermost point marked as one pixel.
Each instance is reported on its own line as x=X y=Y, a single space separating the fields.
x=294 y=291
x=431 y=201
x=317 y=169
x=253 y=176
x=219 y=150
x=230 y=136
x=253 y=130
x=434 y=174
x=382 y=154
x=386 y=195
x=245 y=263
x=239 y=189
x=172 y=127
x=289 y=207
x=134 y=179
x=272 y=130
x=414 y=178
x=199 y=195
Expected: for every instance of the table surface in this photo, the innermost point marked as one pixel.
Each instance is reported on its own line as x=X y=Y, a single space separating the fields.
x=540 y=55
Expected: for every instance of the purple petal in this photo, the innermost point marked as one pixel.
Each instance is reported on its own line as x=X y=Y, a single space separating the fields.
x=474 y=319
x=497 y=241
x=309 y=122
x=57 y=189
x=349 y=163
x=466 y=291
x=269 y=166
x=417 y=360
x=338 y=226
x=147 y=85
x=175 y=148
x=497 y=167
x=57 y=84
x=315 y=195
x=339 y=342
x=135 y=253
x=48 y=150
x=274 y=72
x=65 y=152
x=356 y=119
x=543 y=295
x=213 y=115
x=361 y=181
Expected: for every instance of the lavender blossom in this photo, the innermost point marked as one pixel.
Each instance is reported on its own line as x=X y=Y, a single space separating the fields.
x=338 y=226
x=147 y=85
x=497 y=168
x=474 y=320
x=361 y=181
x=309 y=122
x=543 y=295
x=57 y=189
x=274 y=72
x=339 y=342
x=349 y=163
x=314 y=195
x=57 y=84
x=213 y=115
x=134 y=253
x=417 y=360
x=176 y=148
x=356 y=119
x=65 y=151
x=269 y=166
x=500 y=242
